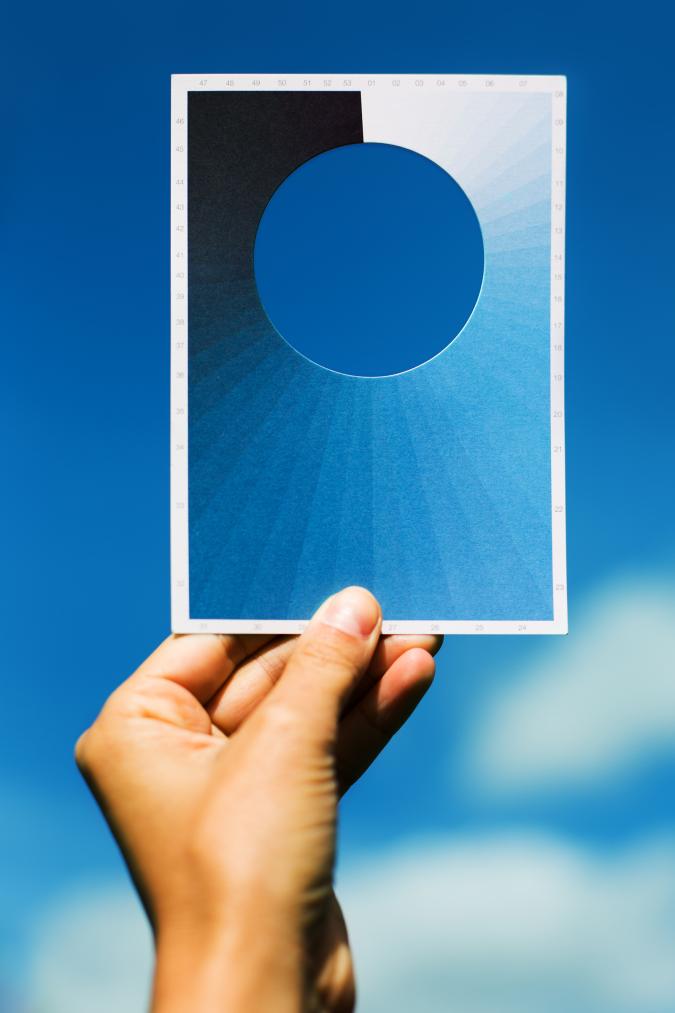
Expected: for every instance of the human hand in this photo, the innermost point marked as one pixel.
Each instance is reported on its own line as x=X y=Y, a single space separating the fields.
x=218 y=765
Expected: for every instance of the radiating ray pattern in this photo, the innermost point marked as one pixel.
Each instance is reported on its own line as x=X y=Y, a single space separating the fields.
x=432 y=487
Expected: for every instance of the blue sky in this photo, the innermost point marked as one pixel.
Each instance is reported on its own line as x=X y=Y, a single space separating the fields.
x=85 y=513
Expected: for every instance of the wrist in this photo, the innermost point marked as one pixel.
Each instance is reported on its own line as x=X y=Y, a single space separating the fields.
x=249 y=963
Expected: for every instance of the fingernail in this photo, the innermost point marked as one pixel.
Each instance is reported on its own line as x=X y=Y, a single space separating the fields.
x=353 y=611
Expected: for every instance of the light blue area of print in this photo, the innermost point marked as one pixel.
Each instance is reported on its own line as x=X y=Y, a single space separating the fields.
x=432 y=487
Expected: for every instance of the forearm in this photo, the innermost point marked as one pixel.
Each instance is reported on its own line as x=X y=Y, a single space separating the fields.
x=249 y=966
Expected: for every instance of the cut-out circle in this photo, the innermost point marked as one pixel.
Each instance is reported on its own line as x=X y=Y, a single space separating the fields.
x=369 y=259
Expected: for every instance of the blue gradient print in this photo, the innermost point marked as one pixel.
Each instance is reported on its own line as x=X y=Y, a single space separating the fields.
x=431 y=487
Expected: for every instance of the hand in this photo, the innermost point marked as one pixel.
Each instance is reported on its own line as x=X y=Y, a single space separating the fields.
x=218 y=765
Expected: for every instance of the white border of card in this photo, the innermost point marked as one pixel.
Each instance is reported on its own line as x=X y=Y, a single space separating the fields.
x=181 y=85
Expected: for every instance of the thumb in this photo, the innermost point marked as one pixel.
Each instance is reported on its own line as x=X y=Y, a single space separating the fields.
x=331 y=656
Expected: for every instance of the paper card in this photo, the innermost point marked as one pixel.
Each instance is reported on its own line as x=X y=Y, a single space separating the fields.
x=441 y=486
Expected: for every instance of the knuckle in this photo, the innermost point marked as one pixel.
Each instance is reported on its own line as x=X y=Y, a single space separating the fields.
x=81 y=751
x=104 y=737
x=130 y=698
x=93 y=744
x=143 y=697
x=86 y=749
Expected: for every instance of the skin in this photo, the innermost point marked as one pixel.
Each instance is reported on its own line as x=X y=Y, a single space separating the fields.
x=218 y=765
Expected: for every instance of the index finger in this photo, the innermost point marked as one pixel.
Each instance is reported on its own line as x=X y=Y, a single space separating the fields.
x=200 y=662
x=259 y=672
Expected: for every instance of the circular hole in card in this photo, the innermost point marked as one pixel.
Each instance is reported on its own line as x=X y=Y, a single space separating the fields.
x=369 y=259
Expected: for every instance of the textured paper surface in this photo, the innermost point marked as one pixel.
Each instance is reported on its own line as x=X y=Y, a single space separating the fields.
x=442 y=488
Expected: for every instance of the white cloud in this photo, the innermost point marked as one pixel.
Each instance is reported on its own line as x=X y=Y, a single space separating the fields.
x=483 y=924
x=517 y=924
x=595 y=704
x=92 y=953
